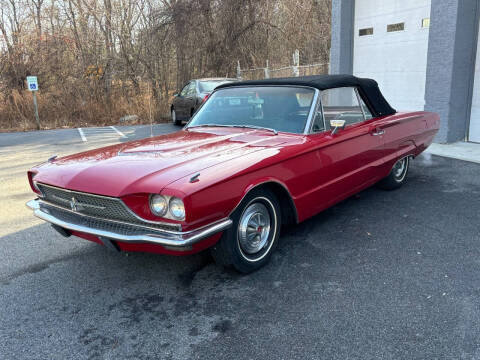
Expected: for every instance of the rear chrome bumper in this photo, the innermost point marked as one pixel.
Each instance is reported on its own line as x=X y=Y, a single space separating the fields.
x=124 y=232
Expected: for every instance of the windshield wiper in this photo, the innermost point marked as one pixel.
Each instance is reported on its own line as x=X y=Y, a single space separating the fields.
x=256 y=127
x=207 y=125
x=237 y=126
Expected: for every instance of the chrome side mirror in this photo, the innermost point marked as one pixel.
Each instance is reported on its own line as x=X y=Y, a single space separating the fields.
x=336 y=124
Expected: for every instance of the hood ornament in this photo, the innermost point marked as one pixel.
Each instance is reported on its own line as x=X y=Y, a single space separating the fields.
x=52 y=158
x=195 y=178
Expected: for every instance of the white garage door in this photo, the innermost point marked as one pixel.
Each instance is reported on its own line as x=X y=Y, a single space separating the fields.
x=474 y=131
x=390 y=46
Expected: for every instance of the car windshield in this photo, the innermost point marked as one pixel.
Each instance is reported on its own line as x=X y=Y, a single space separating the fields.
x=280 y=108
x=209 y=86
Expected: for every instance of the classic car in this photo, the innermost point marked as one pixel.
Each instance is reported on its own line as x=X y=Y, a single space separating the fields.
x=192 y=96
x=257 y=155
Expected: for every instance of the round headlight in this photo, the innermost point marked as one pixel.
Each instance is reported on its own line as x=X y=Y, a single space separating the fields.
x=177 y=209
x=158 y=205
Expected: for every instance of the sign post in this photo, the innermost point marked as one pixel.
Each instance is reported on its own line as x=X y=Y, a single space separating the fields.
x=32 y=84
x=296 y=63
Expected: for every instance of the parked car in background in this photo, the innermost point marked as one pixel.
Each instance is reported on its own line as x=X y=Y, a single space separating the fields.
x=193 y=94
x=256 y=155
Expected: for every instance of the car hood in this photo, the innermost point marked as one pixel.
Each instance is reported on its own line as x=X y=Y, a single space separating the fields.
x=151 y=164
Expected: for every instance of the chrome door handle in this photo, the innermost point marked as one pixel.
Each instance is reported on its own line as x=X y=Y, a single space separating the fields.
x=378 y=132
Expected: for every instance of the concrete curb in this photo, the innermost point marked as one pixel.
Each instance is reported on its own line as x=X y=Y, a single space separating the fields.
x=465 y=151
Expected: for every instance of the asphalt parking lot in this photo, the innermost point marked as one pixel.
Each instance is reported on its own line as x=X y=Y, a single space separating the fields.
x=389 y=275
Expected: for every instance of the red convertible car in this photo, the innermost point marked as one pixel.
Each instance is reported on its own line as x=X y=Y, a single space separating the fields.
x=255 y=156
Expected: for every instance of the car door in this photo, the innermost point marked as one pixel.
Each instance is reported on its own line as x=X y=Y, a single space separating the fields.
x=190 y=99
x=350 y=159
x=180 y=102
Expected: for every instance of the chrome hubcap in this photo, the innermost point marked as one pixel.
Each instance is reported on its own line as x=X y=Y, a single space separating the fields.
x=399 y=168
x=254 y=228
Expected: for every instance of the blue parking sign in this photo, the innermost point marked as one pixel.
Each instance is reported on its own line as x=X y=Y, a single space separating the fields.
x=32 y=83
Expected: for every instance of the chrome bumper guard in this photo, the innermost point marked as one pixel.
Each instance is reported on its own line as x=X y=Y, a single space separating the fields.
x=122 y=231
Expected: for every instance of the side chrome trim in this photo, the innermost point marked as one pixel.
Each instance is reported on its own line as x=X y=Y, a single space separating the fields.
x=172 y=239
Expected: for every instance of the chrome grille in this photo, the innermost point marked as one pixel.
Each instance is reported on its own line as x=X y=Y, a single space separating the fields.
x=88 y=222
x=103 y=207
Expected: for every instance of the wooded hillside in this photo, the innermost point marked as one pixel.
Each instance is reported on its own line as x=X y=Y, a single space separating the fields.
x=99 y=60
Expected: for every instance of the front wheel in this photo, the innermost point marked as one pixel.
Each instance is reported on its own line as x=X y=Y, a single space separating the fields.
x=175 y=121
x=397 y=175
x=249 y=243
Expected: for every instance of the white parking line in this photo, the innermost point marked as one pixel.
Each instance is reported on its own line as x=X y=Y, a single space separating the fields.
x=82 y=135
x=118 y=132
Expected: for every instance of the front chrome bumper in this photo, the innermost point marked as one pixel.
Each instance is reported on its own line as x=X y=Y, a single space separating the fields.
x=124 y=232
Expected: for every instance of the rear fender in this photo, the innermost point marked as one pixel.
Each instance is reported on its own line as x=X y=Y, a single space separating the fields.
x=406 y=148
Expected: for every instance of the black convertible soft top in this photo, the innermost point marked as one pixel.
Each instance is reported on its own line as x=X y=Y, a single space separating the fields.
x=367 y=88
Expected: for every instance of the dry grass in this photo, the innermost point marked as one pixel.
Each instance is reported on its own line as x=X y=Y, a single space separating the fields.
x=98 y=63
x=77 y=108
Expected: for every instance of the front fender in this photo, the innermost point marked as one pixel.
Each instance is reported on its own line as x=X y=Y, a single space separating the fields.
x=219 y=200
x=284 y=195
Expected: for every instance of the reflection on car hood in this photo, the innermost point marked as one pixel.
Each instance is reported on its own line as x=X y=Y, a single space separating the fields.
x=150 y=164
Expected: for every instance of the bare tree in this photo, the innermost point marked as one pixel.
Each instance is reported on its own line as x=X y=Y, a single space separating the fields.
x=100 y=59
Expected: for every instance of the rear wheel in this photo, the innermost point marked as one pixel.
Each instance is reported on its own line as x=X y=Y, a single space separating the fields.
x=397 y=175
x=175 y=121
x=249 y=243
